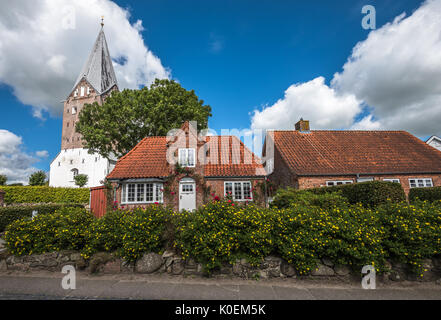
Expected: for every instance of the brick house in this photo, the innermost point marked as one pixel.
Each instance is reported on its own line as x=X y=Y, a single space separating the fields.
x=209 y=167
x=308 y=159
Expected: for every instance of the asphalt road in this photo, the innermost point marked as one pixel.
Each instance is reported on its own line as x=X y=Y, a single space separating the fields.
x=48 y=286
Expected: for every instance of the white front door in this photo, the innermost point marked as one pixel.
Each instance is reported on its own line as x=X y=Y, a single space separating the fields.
x=187 y=195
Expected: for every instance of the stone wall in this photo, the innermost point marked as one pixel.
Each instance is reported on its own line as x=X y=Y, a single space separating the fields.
x=272 y=267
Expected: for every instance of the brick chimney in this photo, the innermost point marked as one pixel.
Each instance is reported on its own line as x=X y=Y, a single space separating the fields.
x=302 y=125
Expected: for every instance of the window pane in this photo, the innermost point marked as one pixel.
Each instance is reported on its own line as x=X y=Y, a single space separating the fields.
x=131 y=193
x=140 y=193
x=190 y=160
x=149 y=192
x=183 y=157
x=158 y=192
x=228 y=188
x=428 y=182
x=247 y=190
x=237 y=191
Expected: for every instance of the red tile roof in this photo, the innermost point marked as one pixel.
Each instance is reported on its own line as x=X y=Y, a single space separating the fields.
x=148 y=159
x=352 y=152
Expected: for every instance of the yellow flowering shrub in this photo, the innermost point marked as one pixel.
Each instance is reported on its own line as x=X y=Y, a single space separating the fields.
x=65 y=229
x=413 y=231
x=223 y=231
x=348 y=236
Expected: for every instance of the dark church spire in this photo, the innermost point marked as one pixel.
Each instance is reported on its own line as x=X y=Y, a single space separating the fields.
x=98 y=70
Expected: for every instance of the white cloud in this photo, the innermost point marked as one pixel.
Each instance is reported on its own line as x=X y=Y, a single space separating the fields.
x=14 y=162
x=42 y=154
x=40 y=58
x=396 y=71
x=313 y=100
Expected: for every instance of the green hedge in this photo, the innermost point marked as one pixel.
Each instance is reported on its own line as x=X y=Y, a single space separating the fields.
x=222 y=232
x=13 y=213
x=284 y=198
x=43 y=194
x=429 y=194
x=369 y=194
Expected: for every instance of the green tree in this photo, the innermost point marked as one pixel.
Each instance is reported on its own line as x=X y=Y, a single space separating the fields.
x=81 y=180
x=37 y=178
x=129 y=116
x=3 y=179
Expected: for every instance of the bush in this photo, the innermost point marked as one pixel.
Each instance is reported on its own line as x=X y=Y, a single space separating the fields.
x=222 y=232
x=370 y=194
x=349 y=236
x=43 y=194
x=413 y=231
x=286 y=197
x=129 y=233
x=143 y=231
x=429 y=194
x=12 y=213
x=65 y=229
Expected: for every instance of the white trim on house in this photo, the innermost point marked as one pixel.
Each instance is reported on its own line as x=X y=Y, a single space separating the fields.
x=392 y=180
x=184 y=156
x=332 y=183
x=135 y=192
x=242 y=190
x=420 y=182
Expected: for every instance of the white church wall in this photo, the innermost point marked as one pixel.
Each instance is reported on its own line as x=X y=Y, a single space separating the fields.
x=93 y=165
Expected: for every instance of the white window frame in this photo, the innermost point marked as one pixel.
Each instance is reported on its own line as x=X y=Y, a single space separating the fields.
x=392 y=180
x=415 y=183
x=341 y=182
x=185 y=152
x=241 y=190
x=366 y=179
x=82 y=91
x=157 y=193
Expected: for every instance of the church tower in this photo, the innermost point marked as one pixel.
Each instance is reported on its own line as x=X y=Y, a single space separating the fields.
x=95 y=83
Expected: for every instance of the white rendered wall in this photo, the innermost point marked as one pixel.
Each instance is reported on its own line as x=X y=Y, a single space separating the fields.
x=435 y=143
x=93 y=165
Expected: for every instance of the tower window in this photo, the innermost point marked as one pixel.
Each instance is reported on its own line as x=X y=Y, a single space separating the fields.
x=76 y=93
x=74 y=110
x=88 y=90
x=67 y=124
x=82 y=91
x=74 y=173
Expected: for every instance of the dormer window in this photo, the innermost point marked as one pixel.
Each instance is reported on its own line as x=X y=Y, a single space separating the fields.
x=187 y=157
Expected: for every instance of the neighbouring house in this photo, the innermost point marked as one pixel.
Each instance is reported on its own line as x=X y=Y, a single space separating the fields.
x=305 y=158
x=95 y=83
x=186 y=170
x=435 y=142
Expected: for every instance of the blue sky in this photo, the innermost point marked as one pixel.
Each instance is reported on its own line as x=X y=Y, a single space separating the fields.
x=238 y=56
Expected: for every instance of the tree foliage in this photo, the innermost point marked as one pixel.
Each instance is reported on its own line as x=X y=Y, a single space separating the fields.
x=81 y=180
x=37 y=178
x=3 y=179
x=127 y=117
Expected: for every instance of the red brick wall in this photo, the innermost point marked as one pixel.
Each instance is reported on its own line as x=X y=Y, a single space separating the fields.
x=281 y=175
x=69 y=138
x=314 y=182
